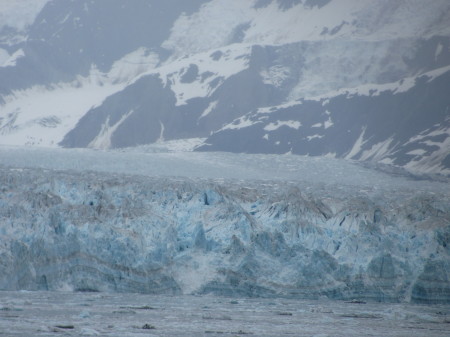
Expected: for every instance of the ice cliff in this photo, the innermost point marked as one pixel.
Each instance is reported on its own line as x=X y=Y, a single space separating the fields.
x=67 y=230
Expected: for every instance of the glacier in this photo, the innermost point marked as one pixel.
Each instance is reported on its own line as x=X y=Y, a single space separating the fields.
x=136 y=221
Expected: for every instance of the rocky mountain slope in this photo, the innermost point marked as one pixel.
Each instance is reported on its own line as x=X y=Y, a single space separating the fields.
x=347 y=78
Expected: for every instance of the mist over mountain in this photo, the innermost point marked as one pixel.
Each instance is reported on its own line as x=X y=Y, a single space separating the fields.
x=364 y=80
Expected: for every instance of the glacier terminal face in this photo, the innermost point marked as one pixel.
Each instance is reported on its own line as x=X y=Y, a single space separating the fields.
x=121 y=232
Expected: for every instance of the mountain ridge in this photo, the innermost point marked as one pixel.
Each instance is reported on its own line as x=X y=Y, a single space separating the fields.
x=187 y=70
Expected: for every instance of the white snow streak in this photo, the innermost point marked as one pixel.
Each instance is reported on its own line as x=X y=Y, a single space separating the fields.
x=278 y=124
x=373 y=89
x=240 y=123
x=309 y=138
x=328 y=123
x=10 y=61
x=161 y=133
x=357 y=147
x=103 y=139
x=378 y=151
x=210 y=108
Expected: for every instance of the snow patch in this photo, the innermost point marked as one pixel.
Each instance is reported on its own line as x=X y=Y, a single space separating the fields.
x=357 y=147
x=269 y=109
x=11 y=61
x=240 y=123
x=436 y=73
x=373 y=89
x=65 y=19
x=19 y=14
x=278 y=124
x=216 y=23
x=441 y=130
x=211 y=71
x=430 y=163
x=29 y=116
x=103 y=139
x=328 y=123
x=309 y=138
x=433 y=162
x=417 y=152
x=210 y=28
x=378 y=151
x=272 y=25
x=133 y=64
x=174 y=145
x=210 y=108
x=161 y=133
x=275 y=75
x=439 y=50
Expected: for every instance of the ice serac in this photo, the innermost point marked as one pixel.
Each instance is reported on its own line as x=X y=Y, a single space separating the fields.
x=123 y=233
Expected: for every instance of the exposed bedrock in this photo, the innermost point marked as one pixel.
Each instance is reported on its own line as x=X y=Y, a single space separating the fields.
x=117 y=233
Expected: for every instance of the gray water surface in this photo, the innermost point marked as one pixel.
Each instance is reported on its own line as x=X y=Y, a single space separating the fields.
x=106 y=314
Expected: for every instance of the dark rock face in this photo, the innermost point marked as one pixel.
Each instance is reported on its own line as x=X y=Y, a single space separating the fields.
x=103 y=232
x=375 y=127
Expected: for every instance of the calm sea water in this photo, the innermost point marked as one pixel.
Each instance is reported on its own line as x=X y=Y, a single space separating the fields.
x=103 y=314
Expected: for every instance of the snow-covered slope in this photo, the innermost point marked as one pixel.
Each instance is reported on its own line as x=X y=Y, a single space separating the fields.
x=267 y=22
x=19 y=14
x=186 y=69
x=323 y=227
x=15 y=19
x=382 y=123
x=43 y=114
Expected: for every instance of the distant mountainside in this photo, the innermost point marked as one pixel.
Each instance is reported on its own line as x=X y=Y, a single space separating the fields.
x=359 y=79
